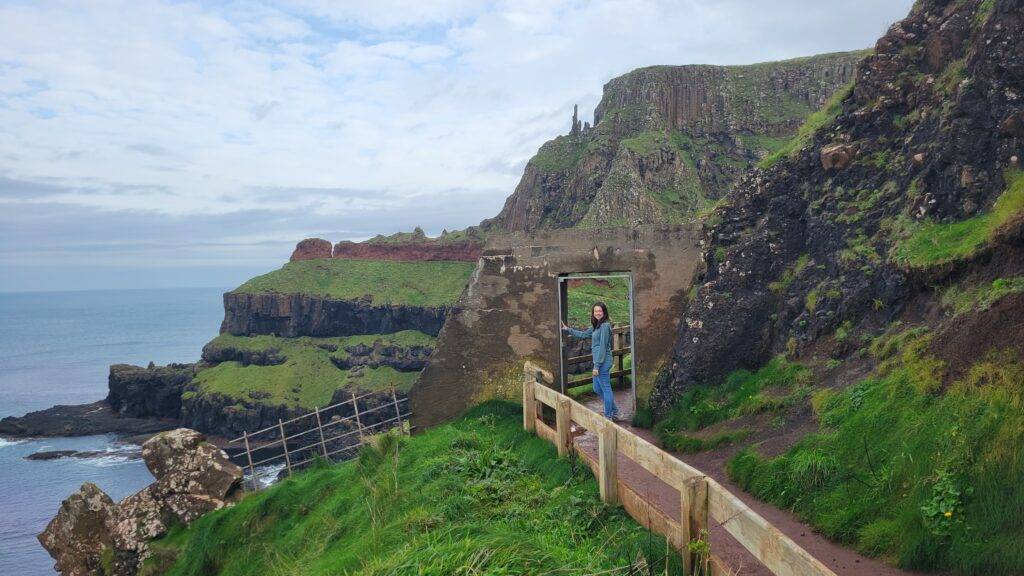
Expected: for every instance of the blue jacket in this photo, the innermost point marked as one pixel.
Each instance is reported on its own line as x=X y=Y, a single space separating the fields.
x=600 y=342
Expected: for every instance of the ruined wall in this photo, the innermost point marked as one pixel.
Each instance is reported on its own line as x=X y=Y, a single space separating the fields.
x=509 y=311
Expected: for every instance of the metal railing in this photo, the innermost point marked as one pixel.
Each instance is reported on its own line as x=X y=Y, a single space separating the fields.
x=328 y=442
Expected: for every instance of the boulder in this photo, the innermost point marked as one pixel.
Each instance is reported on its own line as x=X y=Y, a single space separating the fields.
x=77 y=536
x=92 y=535
x=1013 y=125
x=183 y=463
x=311 y=249
x=837 y=156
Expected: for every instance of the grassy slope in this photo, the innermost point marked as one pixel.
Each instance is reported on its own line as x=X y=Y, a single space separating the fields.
x=384 y=282
x=934 y=243
x=614 y=293
x=307 y=378
x=477 y=496
x=907 y=470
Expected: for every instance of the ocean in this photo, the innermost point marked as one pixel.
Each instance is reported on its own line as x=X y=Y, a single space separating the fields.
x=55 y=348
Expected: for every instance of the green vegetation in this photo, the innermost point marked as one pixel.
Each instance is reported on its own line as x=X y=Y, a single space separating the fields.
x=645 y=143
x=476 y=496
x=931 y=244
x=963 y=299
x=763 y=142
x=778 y=384
x=819 y=119
x=307 y=377
x=383 y=282
x=418 y=235
x=904 y=471
x=558 y=155
x=612 y=291
x=781 y=285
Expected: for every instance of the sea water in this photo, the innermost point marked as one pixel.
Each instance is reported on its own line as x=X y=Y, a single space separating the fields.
x=56 y=348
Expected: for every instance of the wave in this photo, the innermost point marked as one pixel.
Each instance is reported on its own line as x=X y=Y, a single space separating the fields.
x=267 y=475
x=5 y=443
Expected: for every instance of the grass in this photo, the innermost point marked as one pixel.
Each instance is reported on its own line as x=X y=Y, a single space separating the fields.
x=612 y=291
x=383 y=282
x=961 y=299
x=743 y=392
x=475 y=496
x=763 y=142
x=816 y=121
x=558 y=155
x=902 y=470
x=645 y=143
x=307 y=377
x=931 y=244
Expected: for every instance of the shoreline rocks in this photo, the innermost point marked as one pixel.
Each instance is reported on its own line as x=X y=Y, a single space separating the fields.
x=91 y=535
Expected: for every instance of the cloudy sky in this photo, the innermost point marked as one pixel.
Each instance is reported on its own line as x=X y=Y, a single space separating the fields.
x=151 y=143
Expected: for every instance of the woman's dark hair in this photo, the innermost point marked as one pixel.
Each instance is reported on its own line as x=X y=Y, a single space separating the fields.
x=604 y=317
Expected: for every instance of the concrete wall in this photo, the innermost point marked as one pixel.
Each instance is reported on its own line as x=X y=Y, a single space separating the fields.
x=509 y=311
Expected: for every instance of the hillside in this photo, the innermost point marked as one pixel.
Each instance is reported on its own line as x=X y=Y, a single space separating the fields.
x=475 y=496
x=668 y=142
x=857 y=327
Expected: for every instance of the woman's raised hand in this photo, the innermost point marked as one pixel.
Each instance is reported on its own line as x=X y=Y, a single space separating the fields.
x=564 y=327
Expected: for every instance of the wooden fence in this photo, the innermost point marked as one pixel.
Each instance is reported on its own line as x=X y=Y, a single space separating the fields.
x=701 y=497
x=620 y=348
x=332 y=439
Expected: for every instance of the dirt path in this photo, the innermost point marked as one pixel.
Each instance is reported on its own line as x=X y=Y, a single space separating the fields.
x=843 y=561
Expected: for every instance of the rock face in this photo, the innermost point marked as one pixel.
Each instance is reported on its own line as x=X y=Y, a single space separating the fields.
x=463 y=251
x=804 y=247
x=77 y=536
x=144 y=392
x=403 y=359
x=80 y=420
x=668 y=141
x=293 y=315
x=90 y=535
x=311 y=249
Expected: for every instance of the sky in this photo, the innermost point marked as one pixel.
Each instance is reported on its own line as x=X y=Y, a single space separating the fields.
x=152 y=143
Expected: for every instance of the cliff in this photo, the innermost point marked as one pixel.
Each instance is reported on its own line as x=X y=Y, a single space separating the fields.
x=857 y=325
x=668 y=141
x=293 y=315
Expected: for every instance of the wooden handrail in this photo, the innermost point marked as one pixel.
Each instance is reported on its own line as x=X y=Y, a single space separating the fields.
x=617 y=352
x=701 y=497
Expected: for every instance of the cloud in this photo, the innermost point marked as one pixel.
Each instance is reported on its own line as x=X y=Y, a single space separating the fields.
x=342 y=117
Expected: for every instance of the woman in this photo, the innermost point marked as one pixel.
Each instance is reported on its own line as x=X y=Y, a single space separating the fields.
x=600 y=334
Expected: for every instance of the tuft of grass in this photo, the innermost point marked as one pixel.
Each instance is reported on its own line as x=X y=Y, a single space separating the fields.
x=475 y=496
x=961 y=299
x=816 y=121
x=741 y=393
x=307 y=377
x=382 y=282
x=931 y=244
x=898 y=470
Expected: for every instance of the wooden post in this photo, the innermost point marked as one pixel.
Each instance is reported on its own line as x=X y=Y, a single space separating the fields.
x=607 y=450
x=355 y=409
x=617 y=339
x=248 y=455
x=562 y=408
x=529 y=406
x=284 y=444
x=398 y=411
x=320 y=427
x=694 y=517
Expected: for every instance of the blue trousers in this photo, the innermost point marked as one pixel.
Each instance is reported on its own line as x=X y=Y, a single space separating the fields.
x=603 y=388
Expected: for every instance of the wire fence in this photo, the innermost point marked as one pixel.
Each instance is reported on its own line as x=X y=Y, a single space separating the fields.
x=334 y=433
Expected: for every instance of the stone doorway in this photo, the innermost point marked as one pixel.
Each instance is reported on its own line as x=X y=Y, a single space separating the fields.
x=577 y=294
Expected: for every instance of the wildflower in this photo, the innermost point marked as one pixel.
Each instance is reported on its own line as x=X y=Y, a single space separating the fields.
x=948 y=514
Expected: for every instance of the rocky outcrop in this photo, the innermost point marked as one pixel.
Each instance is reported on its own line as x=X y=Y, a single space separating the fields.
x=401 y=358
x=293 y=315
x=154 y=391
x=215 y=353
x=311 y=249
x=463 y=251
x=78 y=536
x=667 y=141
x=90 y=535
x=805 y=247
x=80 y=420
